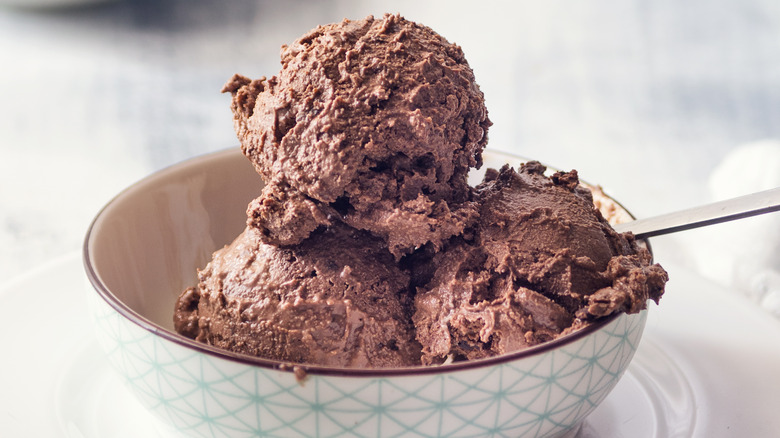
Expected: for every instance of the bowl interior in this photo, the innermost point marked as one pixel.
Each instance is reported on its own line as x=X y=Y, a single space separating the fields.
x=147 y=243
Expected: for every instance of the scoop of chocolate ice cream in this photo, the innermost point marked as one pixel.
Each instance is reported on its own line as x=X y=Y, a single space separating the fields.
x=542 y=262
x=373 y=122
x=336 y=299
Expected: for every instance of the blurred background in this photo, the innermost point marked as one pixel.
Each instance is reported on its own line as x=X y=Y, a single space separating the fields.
x=666 y=104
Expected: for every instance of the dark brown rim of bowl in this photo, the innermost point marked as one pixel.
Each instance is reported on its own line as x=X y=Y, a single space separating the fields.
x=144 y=323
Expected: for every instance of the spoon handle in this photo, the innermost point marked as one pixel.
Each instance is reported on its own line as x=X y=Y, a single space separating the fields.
x=709 y=214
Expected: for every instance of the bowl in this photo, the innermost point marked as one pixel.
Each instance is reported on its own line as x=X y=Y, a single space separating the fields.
x=143 y=249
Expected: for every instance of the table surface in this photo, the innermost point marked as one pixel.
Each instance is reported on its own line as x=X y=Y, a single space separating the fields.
x=644 y=98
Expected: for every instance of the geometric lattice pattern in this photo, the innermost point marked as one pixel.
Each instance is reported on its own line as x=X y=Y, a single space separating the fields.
x=207 y=396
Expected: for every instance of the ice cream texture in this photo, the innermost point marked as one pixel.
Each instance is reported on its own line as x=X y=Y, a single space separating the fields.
x=371 y=122
x=335 y=299
x=368 y=248
x=541 y=262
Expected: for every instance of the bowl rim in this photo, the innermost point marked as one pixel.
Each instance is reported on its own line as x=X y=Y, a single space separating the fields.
x=285 y=366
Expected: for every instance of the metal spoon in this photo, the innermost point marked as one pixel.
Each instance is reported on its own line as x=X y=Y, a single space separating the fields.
x=709 y=214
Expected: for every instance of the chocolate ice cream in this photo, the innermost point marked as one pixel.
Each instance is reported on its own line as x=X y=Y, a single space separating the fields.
x=368 y=248
x=541 y=262
x=374 y=122
x=336 y=299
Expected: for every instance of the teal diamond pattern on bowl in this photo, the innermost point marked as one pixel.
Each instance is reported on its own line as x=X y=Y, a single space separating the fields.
x=204 y=395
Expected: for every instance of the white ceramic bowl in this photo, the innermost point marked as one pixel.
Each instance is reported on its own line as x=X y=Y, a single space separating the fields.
x=143 y=249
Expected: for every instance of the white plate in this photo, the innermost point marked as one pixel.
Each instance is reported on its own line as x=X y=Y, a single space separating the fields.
x=708 y=366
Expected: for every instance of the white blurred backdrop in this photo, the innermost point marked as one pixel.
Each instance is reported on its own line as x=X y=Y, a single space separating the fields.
x=644 y=98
